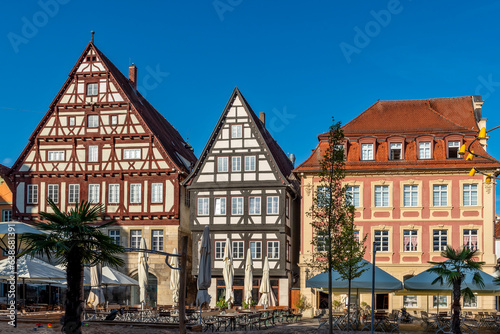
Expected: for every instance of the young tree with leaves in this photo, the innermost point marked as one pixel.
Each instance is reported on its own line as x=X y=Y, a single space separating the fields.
x=74 y=239
x=332 y=216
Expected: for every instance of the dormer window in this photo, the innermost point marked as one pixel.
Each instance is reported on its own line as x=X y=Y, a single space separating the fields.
x=424 y=150
x=339 y=152
x=92 y=89
x=396 y=151
x=366 y=151
x=453 y=147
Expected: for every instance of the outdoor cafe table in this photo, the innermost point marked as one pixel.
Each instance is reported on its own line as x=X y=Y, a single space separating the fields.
x=232 y=319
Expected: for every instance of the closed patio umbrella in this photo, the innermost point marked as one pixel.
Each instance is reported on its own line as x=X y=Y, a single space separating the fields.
x=228 y=273
x=267 y=297
x=143 y=273
x=96 y=295
x=248 y=283
x=204 y=269
x=174 y=277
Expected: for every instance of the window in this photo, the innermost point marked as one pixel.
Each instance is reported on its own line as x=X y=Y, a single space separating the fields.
x=470 y=302
x=322 y=241
x=92 y=89
x=356 y=236
x=222 y=164
x=424 y=150
x=366 y=151
x=55 y=155
x=6 y=215
x=410 y=240
x=93 y=149
x=410 y=301
x=272 y=205
x=339 y=152
x=219 y=249
x=352 y=193
x=134 y=153
x=250 y=164
x=453 y=147
x=115 y=235
x=381 y=196
x=254 y=205
x=237 y=206
x=410 y=197
x=92 y=121
x=71 y=121
x=94 y=190
x=53 y=192
x=32 y=194
x=114 y=120
x=273 y=249
x=323 y=197
x=396 y=151
x=236 y=164
x=470 y=239
x=135 y=238
x=439 y=240
x=135 y=193
x=203 y=206
x=220 y=206
x=443 y=301
x=256 y=249
x=157 y=193
x=157 y=240
x=114 y=193
x=470 y=194
x=236 y=131
x=238 y=249
x=382 y=240
x=74 y=193
x=440 y=195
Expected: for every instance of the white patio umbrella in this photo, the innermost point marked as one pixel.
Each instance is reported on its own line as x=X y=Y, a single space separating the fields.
x=248 y=278
x=204 y=269
x=143 y=272
x=113 y=277
x=228 y=273
x=174 y=277
x=267 y=297
x=31 y=269
x=96 y=295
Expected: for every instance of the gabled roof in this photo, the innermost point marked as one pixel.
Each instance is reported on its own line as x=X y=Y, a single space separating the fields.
x=282 y=162
x=169 y=138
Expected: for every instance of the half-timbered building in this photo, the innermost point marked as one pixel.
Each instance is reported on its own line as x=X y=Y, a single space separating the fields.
x=243 y=188
x=103 y=142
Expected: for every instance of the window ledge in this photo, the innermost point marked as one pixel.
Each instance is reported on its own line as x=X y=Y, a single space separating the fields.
x=382 y=208
x=412 y=207
x=418 y=253
x=441 y=208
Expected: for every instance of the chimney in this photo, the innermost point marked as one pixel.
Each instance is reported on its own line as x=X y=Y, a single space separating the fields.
x=132 y=75
x=262 y=117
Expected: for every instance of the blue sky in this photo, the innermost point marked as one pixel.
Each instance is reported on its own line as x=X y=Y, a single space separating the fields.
x=300 y=62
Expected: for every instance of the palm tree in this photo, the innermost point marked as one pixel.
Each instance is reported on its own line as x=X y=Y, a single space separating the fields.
x=453 y=271
x=74 y=239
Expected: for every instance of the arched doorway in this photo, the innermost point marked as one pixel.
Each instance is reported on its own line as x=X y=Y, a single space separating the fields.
x=152 y=294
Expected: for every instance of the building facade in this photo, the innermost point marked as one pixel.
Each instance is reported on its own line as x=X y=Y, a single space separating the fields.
x=412 y=191
x=243 y=188
x=103 y=142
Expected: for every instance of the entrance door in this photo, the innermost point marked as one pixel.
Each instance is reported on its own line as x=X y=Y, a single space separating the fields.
x=382 y=301
x=238 y=296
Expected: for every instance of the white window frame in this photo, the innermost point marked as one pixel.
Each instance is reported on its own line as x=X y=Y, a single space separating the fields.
x=157 y=192
x=71 y=121
x=113 y=120
x=471 y=236
x=354 y=198
x=32 y=194
x=321 y=241
x=256 y=249
x=135 y=238
x=92 y=121
x=222 y=164
x=424 y=150
x=73 y=193
x=273 y=250
x=203 y=208
x=92 y=89
x=238 y=250
x=157 y=240
x=219 y=206
x=132 y=154
x=235 y=164
x=443 y=301
x=236 y=131
x=236 y=206
x=254 y=205
x=441 y=190
x=219 y=250
x=439 y=240
x=93 y=153
x=382 y=237
x=472 y=303
x=394 y=147
x=410 y=195
x=53 y=192
x=410 y=240
x=367 y=151
x=115 y=235
x=135 y=193
x=113 y=193
x=250 y=163
x=455 y=146
x=410 y=301
x=470 y=194
x=382 y=196
x=55 y=155
x=94 y=193
x=6 y=215
x=273 y=205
